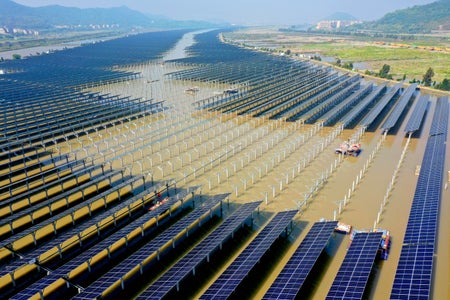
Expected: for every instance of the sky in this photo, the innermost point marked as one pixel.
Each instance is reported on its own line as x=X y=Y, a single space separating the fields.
x=247 y=12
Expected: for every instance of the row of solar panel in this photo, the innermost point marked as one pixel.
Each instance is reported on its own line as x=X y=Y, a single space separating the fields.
x=413 y=278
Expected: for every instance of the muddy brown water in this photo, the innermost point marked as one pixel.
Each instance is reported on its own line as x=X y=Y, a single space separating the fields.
x=245 y=184
x=363 y=206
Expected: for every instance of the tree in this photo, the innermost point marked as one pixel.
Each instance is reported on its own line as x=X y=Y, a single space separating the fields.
x=384 y=71
x=348 y=65
x=427 y=77
x=16 y=56
x=444 y=85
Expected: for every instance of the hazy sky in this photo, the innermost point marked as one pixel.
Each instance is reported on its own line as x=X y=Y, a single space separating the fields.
x=247 y=12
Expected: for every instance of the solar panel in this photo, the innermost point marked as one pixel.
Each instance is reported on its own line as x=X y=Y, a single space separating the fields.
x=169 y=280
x=417 y=116
x=342 y=107
x=356 y=111
x=167 y=237
x=414 y=273
x=352 y=277
x=66 y=212
x=34 y=254
x=440 y=120
x=232 y=277
x=290 y=280
x=374 y=112
x=98 y=247
x=399 y=108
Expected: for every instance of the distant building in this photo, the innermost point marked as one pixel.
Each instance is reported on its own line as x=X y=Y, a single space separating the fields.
x=335 y=24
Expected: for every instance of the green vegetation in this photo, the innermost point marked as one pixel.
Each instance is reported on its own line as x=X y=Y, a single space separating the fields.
x=386 y=58
x=416 y=19
x=428 y=77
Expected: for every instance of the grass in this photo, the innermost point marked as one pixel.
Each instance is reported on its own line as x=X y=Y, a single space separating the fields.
x=412 y=61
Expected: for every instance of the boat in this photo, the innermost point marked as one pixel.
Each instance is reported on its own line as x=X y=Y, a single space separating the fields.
x=384 y=243
x=385 y=238
x=347 y=148
x=230 y=91
x=343 y=228
x=192 y=90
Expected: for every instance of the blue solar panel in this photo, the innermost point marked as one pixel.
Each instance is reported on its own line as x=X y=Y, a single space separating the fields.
x=352 y=277
x=374 y=112
x=67 y=234
x=399 y=108
x=440 y=120
x=358 y=109
x=100 y=246
x=167 y=237
x=417 y=116
x=415 y=267
x=294 y=274
x=47 y=203
x=169 y=280
x=232 y=277
x=414 y=273
x=67 y=212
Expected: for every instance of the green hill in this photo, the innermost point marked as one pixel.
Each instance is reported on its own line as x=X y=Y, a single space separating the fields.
x=416 y=19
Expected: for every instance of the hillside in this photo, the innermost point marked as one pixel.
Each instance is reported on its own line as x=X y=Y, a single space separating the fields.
x=341 y=16
x=13 y=15
x=416 y=19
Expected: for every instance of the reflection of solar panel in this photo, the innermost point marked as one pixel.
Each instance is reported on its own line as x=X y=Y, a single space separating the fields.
x=415 y=267
x=293 y=275
x=414 y=271
x=149 y=249
x=417 y=116
x=200 y=253
x=354 y=272
x=232 y=277
x=399 y=108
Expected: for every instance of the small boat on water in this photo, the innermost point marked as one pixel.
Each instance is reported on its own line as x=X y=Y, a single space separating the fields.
x=384 y=243
x=192 y=90
x=385 y=238
x=230 y=91
x=347 y=148
x=343 y=228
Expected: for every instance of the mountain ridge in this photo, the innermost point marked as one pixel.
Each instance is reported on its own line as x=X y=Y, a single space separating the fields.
x=14 y=15
x=415 y=19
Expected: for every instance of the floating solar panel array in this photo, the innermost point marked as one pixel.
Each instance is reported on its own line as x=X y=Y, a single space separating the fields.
x=88 y=250
x=415 y=267
x=172 y=278
x=289 y=282
x=399 y=108
x=233 y=276
x=339 y=110
x=92 y=64
x=417 y=116
x=378 y=108
x=153 y=249
x=359 y=108
x=352 y=277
